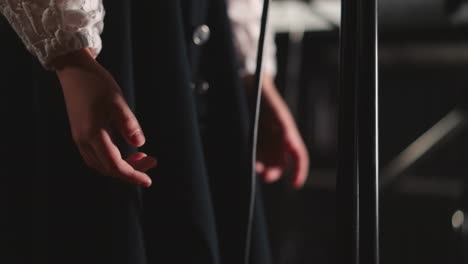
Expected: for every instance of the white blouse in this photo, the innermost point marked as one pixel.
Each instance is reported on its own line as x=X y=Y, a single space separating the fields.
x=51 y=28
x=245 y=16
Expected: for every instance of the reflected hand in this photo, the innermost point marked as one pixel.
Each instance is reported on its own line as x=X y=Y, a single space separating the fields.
x=280 y=145
x=94 y=104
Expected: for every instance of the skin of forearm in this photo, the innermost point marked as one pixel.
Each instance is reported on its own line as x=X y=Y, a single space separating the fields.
x=272 y=102
x=76 y=60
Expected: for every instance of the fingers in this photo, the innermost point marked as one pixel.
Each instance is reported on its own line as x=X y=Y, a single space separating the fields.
x=269 y=174
x=112 y=162
x=136 y=157
x=300 y=159
x=272 y=174
x=127 y=123
x=141 y=162
x=145 y=164
x=259 y=167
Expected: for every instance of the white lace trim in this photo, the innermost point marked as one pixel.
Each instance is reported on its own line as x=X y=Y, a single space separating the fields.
x=50 y=28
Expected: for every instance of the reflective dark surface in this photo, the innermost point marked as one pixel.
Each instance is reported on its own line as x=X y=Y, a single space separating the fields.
x=303 y=223
x=423 y=81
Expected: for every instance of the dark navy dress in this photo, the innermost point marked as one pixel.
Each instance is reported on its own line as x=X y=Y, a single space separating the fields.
x=190 y=102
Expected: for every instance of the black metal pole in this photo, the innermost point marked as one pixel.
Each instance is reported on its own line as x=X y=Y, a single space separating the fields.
x=357 y=180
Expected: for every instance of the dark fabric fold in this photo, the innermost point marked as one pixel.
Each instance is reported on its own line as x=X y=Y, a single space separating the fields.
x=59 y=211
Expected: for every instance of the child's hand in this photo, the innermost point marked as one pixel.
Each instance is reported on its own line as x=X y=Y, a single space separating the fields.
x=95 y=104
x=280 y=145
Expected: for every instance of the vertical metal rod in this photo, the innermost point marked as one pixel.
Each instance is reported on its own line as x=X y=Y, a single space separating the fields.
x=368 y=146
x=254 y=126
x=357 y=182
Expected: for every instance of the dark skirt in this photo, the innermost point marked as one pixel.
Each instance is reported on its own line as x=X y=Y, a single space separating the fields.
x=56 y=210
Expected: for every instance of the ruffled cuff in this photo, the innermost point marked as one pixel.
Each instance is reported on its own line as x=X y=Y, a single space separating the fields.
x=248 y=59
x=245 y=16
x=53 y=28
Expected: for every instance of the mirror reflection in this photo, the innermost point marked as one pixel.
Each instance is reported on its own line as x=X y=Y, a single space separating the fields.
x=302 y=224
x=423 y=59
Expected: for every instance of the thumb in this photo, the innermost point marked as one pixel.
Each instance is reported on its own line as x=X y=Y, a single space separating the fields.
x=127 y=124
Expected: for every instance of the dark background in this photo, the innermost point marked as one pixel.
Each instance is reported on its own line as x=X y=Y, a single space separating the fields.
x=423 y=77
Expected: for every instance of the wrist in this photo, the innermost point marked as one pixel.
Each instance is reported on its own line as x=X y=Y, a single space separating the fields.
x=80 y=59
x=268 y=83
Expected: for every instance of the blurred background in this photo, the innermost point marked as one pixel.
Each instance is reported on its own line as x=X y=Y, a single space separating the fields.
x=423 y=79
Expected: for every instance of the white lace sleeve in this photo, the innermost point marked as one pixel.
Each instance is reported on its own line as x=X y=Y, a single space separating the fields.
x=50 y=28
x=245 y=16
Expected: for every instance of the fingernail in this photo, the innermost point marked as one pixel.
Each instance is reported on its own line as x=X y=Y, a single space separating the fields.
x=137 y=136
x=148 y=183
